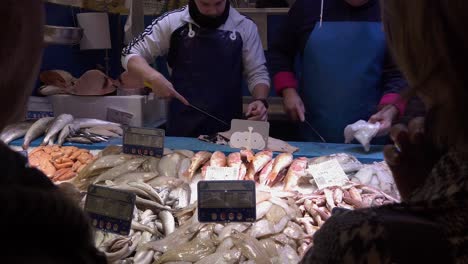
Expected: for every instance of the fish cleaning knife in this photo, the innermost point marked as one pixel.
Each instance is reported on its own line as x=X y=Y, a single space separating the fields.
x=198 y=109
x=315 y=131
x=208 y=114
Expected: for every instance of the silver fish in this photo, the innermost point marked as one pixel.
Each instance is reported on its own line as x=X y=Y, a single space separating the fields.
x=15 y=131
x=101 y=132
x=167 y=221
x=36 y=130
x=129 y=166
x=80 y=140
x=66 y=131
x=91 y=122
x=52 y=140
x=60 y=122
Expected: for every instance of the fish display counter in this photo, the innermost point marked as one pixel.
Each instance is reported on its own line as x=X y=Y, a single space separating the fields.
x=305 y=149
x=289 y=204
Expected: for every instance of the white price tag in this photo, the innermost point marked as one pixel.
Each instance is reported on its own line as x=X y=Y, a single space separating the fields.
x=221 y=173
x=328 y=173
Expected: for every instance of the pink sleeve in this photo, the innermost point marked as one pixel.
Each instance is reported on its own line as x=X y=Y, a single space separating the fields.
x=396 y=100
x=283 y=80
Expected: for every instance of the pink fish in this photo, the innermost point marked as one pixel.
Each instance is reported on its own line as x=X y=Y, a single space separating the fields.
x=282 y=161
x=295 y=171
x=197 y=161
x=265 y=172
x=260 y=160
x=234 y=160
x=218 y=159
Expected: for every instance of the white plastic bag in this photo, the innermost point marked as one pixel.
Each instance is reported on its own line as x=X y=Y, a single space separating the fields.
x=362 y=131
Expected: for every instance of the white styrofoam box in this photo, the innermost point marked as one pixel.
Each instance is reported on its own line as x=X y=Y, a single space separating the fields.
x=38 y=107
x=133 y=110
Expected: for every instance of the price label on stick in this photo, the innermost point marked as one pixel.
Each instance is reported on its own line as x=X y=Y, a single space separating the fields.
x=143 y=141
x=110 y=210
x=328 y=173
x=226 y=201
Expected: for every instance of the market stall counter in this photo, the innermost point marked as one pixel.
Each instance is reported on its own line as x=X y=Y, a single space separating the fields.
x=306 y=149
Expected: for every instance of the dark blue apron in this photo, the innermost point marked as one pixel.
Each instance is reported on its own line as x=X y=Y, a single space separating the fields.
x=207 y=70
x=341 y=76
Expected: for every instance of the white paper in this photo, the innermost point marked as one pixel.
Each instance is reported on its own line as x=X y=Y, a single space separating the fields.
x=327 y=174
x=96 y=33
x=221 y=173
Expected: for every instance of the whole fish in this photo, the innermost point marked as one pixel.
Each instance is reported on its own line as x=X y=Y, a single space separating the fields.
x=198 y=160
x=36 y=130
x=101 y=132
x=127 y=167
x=66 y=131
x=113 y=128
x=265 y=172
x=260 y=160
x=168 y=222
x=295 y=171
x=15 y=131
x=281 y=162
x=52 y=140
x=193 y=251
x=234 y=160
x=59 y=123
x=81 y=140
x=91 y=122
x=218 y=159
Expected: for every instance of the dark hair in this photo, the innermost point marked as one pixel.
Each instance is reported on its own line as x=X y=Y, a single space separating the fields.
x=20 y=54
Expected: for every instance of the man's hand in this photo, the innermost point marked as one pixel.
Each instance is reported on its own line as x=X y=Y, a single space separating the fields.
x=411 y=158
x=293 y=105
x=385 y=117
x=162 y=88
x=257 y=111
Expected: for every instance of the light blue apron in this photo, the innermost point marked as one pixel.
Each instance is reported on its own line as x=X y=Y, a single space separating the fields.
x=341 y=76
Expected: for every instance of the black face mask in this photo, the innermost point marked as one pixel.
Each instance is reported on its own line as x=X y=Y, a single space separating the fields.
x=207 y=21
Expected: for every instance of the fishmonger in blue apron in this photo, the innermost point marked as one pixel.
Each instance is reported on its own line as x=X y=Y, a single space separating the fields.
x=345 y=72
x=210 y=48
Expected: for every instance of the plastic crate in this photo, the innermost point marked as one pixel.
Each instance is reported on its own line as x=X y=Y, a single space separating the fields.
x=133 y=110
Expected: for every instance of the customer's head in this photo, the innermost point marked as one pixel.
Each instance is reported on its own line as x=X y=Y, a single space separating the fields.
x=43 y=226
x=429 y=40
x=20 y=54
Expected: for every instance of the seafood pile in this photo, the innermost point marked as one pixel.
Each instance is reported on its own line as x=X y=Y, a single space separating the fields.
x=282 y=232
x=60 y=129
x=165 y=227
x=377 y=175
x=146 y=226
x=59 y=163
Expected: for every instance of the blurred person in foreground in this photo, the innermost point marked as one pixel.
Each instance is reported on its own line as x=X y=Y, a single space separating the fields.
x=39 y=222
x=429 y=160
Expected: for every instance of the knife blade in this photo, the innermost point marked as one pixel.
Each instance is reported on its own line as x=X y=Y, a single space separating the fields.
x=208 y=114
x=148 y=84
x=315 y=131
